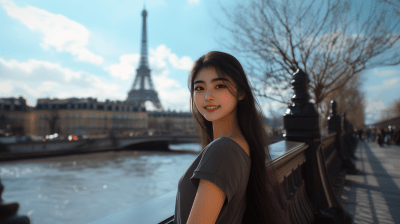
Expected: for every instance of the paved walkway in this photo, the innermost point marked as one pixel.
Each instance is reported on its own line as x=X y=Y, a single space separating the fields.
x=373 y=196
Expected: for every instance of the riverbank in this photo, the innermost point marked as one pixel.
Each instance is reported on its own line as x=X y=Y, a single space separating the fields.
x=53 y=153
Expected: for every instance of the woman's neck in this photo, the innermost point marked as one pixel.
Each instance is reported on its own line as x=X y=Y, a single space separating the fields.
x=227 y=127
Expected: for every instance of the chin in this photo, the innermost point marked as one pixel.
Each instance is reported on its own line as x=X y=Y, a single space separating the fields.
x=211 y=116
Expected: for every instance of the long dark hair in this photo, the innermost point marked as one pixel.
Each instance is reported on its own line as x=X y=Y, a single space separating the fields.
x=261 y=205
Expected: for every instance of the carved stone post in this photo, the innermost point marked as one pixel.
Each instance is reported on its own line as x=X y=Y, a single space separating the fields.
x=8 y=211
x=301 y=121
x=335 y=124
x=350 y=138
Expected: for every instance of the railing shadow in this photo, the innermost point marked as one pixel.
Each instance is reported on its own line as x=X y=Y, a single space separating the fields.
x=369 y=197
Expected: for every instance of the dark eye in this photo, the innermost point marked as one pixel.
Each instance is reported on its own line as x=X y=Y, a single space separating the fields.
x=222 y=86
x=195 y=89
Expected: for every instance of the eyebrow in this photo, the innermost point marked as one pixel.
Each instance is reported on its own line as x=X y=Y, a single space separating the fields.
x=213 y=80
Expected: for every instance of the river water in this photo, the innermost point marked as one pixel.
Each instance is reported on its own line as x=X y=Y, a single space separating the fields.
x=81 y=188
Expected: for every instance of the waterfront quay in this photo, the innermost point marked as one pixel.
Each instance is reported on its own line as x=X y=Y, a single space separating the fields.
x=112 y=143
x=373 y=194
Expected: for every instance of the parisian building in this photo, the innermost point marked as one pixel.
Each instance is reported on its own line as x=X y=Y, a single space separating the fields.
x=87 y=116
x=172 y=122
x=16 y=117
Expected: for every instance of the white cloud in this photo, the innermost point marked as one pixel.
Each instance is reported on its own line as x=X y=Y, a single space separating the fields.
x=375 y=106
x=392 y=82
x=29 y=90
x=387 y=84
x=385 y=72
x=193 y=2
x=185 y=63
x=128 y=64
x=158 y=56
x=29 y=66
x=34 y=79
x=47 y=86
x=6 y=87
x=171 y=93
x=126 y=67
x=373 y=110
x=60 y=32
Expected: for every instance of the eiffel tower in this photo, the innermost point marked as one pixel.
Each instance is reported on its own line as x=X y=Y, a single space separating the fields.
x=142 y=89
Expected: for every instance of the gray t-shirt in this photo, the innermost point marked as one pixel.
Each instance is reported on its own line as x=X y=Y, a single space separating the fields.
x=224 y=163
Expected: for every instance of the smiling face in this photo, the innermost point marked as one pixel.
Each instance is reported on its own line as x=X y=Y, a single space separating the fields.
x=209 y=89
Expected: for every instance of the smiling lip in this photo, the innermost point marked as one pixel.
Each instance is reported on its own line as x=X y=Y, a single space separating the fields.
x=211 y=110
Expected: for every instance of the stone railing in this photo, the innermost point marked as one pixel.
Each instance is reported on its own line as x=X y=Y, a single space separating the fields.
x=306 y=165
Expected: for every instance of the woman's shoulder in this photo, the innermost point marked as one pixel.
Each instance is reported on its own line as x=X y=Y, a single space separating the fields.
x=240 y=141
x=243 y=143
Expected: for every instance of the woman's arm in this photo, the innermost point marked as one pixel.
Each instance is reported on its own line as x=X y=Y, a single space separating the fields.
x=207 y=203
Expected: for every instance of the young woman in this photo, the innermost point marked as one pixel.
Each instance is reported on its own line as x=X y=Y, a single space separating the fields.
x=227 y=182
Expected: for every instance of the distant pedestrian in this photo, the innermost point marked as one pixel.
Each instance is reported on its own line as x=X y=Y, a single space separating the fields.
x=384 y=131
x=374 y=135
x=397 y=136
x=360 y=134
x=380 y=137
x=368 y=132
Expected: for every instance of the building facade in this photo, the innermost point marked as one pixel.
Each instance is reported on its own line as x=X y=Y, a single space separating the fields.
x=172 y=122
x=15 y=117
x=87 y=116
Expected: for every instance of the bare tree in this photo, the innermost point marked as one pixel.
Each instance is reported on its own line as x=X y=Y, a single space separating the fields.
x=393 y=3
x=396 y=108
x=391 y=112
x=350 y=100
x=332 y=41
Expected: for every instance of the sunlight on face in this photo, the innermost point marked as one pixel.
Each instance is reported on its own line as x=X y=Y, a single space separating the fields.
x=209 y=89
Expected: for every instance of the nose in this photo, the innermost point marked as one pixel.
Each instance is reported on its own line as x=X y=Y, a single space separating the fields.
x=209 y=95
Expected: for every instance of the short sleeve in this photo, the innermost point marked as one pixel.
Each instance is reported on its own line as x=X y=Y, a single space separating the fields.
x=222 y=164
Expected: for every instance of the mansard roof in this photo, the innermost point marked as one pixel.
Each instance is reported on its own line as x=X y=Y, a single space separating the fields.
x=88 y=103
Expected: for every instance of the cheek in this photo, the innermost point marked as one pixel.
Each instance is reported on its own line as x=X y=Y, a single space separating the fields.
x=197 y=101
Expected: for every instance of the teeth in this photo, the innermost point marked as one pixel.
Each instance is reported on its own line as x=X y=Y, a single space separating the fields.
x=208 y=108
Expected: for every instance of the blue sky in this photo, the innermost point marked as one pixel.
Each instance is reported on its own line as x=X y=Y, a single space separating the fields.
x=91 y=49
